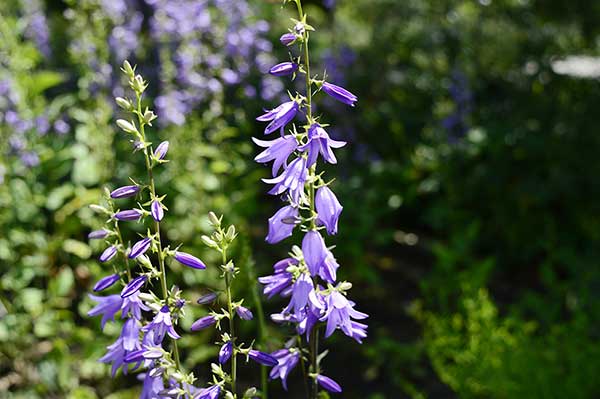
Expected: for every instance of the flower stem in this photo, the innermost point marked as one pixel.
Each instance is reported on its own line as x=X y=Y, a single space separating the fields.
x=228 y=283
x=161 y=260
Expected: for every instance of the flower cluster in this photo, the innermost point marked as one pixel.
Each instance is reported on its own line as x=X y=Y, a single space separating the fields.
x=141 y=343
x=308 y=276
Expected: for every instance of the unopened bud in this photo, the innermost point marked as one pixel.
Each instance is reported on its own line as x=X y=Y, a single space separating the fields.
x=124 y=103
x=214 y=220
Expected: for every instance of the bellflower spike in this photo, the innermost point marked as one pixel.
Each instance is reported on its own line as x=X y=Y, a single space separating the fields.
x=98 y=234
x=162 y=325
x=262 y=358
x=140 y=248
x=279 y=281
x=161 y=150
x=329 y=384
x=244 y=313
x=128 y=215
x=292 y=179
x=286 y=360
x=189 y=260
x=157 y=211
x=225 y=352
x=278 y=151
x=279 y=117
x=125 y=192
x=287 y=39
x=328 y=209
x=281 y=224
x=314 y=250
x=108 y=254
x=339 y=93
x=319 y=142
x=284 y=69
x=133 y=286
x=106 y=282
x=203 y=323
x=107 y=306
x=339 y=313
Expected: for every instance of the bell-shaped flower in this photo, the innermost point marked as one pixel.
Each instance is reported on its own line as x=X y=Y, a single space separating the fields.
x=292 y=178
x=209 y=393
x=279 y=117
x=162 y=325
x=127 y=343
x=107 y=306
x=339 y=314
x=262 y=358
x=314 y=251
x=278 y=151
x=133 y=306
x=225 y=352
x=286 y=361
x=339 y=93
x=282 y=224
x=302 y=288
x=320 y=142
x=329 y=384
x=280 y=280
x=328 y=209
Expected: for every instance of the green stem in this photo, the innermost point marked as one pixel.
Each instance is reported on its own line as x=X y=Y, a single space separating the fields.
x=303 y=365
x=120 y=238
x=262 y=327
x=161 y=260
x=228 y=284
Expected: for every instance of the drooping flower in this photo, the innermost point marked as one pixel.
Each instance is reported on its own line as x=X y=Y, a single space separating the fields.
x=280 y=280
x=161 y=325
x=319 y=142
x=152 y=385
x=302 y=288
x=128 y=215
x=157 y=211
x=339 y=313
x=339 y=93
x=107 y=306
x=314 y=250
x=117 y=352
x=328 y=209
x=292 y=179
x=329 y=384
x=203 y=323
x=284 y=69
x=225 y=352
x=125 y=191
x=108 y=254
x=209 y=393
x=262 y=358
x=328 y=270
x=282 y=224
x=279 y=117
x=278 y=151
x=189 y=260
x=134 y=286
x=106 y=282
x=287 y=360
x=244 y=313
x=140 y=248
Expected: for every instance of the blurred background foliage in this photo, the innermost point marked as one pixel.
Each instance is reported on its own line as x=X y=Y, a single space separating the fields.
x=470 y=229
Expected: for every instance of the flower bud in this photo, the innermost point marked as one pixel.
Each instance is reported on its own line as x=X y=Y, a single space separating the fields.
x=329 y=384
x=225 y=352
x=128 y=215
x=284 y=69
x=209 y=242
x=133 y=286
x=127 y=127
x=244 y=313
x=127 y=68
x=124 y=103
x=149 y=116
x=138 y=84
x=262 y=358
x=189 y=260
x=340 y=94
x=106 y=282
x=214 y=220
x=99 y=209
x=161 y=150
x=140 y=248
x=230 y=235
x=144 y=261
x=98 y=234
x=287 y=39
x=208 y=298
x=125 y=192
x=203 y=323
x=157 y=210
x=108 y=254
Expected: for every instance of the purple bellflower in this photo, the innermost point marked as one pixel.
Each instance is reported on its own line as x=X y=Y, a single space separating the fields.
x=244 y=313
x=140 y=248
x=106 y=282
x=203 y=323
x=329 y=384
x=107 y=306
x=108 y=254
x=319 y=142
x=262 y=358
x=279 y=117
x=292 y=179
x=225 y=352
x=128 y=215
x=157 y=211
x=328 y=209
x=282 y=224
x=339 y=93
x=278 y=151
x=161 y=150
x=161 y=325
x=286 y=361
x=314 y=250
x=281 y=280
x=98 y=234
x=340 y=313
x=209 y=393
x=284 y=69
x=127 y=342
x=133 y=305
x=134 y=286
x=302 y=288
x=287 y=39
x=125 y=192
x=189 y=260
